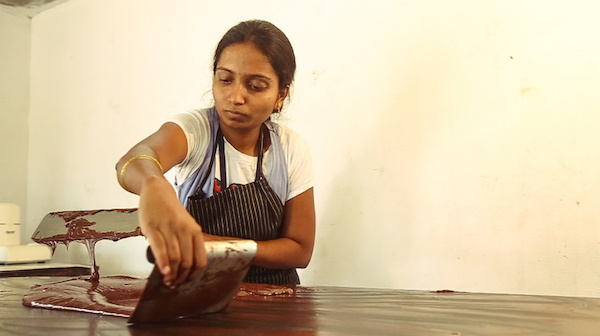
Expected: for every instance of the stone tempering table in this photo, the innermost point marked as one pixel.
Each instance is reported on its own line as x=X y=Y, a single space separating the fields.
x=327 y=311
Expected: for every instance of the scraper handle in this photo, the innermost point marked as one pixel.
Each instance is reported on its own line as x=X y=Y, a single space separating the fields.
x=150 y=255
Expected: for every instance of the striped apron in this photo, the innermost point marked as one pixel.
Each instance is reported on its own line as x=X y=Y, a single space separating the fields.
x=251 y=211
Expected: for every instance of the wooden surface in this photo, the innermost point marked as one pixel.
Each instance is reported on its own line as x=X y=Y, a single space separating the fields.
x=327 y=311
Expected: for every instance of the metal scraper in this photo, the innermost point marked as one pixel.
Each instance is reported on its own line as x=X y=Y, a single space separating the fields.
x=208 y=291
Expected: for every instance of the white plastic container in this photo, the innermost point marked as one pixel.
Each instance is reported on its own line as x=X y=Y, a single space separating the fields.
x=11 y=250
x=10 y=224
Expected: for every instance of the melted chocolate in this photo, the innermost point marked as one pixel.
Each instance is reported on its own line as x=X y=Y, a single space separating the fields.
x=80 y=228
x=114 y=295
x=254 y=289
x=329 y=310
x=119 y=296
x=83 y=230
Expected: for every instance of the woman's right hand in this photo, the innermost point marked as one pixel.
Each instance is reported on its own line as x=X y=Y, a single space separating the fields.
x=174 y=236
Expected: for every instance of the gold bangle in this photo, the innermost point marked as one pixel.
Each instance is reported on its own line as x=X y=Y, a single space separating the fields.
x=137 y=157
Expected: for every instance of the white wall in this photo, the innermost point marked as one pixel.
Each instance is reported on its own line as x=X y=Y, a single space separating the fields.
x=455 y=144
x=15 y=43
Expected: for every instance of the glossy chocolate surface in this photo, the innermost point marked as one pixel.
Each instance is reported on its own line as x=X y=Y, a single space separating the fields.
x=114 y=295
x=249 y=290
x=119 y=296
x=327 y=311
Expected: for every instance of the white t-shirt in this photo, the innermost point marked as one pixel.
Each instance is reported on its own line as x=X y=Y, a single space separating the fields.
x=241 y=168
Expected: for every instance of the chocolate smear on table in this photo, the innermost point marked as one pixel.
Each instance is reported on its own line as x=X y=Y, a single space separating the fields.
x=116 y=295
x=255 y=289
x=110 y=295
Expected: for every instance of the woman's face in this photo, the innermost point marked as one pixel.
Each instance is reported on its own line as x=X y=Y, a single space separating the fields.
x=245 y=88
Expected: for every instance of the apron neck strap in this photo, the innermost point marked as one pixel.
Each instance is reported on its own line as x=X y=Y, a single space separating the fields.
x=260 y=146
x=223 y=168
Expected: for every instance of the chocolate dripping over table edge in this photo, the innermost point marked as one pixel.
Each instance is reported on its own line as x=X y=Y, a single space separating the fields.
x=80 y=229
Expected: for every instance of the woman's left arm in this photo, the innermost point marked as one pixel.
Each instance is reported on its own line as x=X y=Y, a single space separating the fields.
x=295 y=246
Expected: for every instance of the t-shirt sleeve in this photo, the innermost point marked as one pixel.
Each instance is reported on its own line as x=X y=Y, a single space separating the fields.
x=196 y=128
x=300 y=167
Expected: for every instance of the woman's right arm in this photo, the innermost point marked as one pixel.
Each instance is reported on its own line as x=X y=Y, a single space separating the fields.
x=174 y=236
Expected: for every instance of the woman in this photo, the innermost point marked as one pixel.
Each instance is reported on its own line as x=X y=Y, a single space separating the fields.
x=240 y=175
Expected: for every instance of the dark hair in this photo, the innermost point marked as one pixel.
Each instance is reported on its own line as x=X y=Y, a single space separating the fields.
x=270 y=40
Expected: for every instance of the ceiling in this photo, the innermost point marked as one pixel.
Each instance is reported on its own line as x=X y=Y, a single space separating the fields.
x=27 y=7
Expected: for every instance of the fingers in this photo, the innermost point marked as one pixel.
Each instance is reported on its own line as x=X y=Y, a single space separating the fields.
x=159 y=250
x=186 y=258
x=173 y=259
x=178 y=250
x=174 y=236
